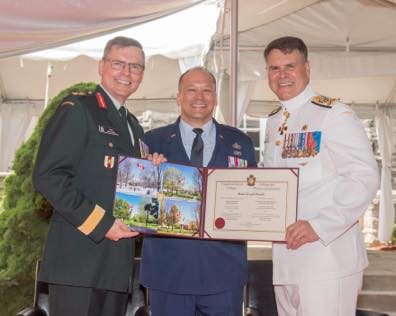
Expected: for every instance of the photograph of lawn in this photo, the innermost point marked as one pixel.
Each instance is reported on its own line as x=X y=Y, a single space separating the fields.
x=164 y=199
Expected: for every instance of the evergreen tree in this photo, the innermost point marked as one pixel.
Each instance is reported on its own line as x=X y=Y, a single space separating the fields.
x=24 y=221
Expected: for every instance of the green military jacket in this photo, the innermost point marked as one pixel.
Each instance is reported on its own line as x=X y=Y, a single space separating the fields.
x=76 y=172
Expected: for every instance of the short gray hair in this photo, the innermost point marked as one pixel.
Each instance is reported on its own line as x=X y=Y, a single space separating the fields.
x=123 y=42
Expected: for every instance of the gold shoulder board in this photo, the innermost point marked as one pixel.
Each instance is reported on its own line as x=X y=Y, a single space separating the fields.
x=273 y=112
x=324 y=101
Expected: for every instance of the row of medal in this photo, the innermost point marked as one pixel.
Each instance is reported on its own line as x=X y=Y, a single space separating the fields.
x=303 y=144
x=236 y=162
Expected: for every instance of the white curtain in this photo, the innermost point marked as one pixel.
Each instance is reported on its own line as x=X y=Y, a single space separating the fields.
x=386 y=143
x=248 y=75
x=17 y=122
x=189 y=62
x=245 y=92
x=223 y=111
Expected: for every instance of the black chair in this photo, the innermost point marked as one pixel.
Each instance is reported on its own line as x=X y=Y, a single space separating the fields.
x=369 y=312
x=259 y=293
x=138 y=304
x=137 y=301
x=40 y=299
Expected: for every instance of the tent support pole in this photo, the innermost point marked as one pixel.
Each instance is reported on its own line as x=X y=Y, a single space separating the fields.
x=47 y=82
x=234 y=63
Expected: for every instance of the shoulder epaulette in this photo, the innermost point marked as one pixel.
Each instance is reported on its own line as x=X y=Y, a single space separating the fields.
x=324 y=101
x=273 y=112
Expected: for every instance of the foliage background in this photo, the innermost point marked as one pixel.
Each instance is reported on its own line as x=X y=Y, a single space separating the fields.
x=24 y=219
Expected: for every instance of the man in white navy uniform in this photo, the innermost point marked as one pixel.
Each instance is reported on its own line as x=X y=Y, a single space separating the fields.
x=318 y=270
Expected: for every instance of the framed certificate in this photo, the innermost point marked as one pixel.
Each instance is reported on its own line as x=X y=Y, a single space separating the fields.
x=250 y=204
x=205 y=203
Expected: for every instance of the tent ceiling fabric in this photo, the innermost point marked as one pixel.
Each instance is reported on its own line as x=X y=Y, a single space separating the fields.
x=27 y=26
x=352 y=44
x=334 y=25
x=178 y=35
x=260 y=12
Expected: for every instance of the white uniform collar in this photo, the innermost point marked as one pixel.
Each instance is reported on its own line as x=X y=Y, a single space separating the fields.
x=299 y=100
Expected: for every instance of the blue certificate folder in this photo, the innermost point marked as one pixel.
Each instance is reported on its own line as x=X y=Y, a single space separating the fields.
x=164 y=199
x=205 y=203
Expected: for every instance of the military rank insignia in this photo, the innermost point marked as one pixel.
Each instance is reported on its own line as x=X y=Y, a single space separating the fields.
x=109 y=162
x=300 y=145
x=101 y=101
x=324 y=101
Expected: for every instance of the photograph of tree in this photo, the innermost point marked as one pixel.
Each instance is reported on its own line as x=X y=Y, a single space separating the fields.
x=164 y=199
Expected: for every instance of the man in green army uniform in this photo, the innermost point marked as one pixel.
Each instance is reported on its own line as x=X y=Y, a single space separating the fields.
x=88 y=257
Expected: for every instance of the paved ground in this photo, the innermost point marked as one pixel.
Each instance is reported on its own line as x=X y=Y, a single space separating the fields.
x=380 y=276
x=382 y=262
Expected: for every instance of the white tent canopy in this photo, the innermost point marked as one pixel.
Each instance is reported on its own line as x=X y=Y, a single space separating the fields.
x=27 y=26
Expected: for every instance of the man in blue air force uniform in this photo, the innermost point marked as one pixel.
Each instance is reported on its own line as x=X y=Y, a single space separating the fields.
x=186 y=276
x=88 y=257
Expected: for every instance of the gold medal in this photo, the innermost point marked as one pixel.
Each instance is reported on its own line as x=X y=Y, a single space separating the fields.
x=283 y=127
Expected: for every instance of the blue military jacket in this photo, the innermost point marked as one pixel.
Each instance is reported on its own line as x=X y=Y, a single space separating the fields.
x=187 y=266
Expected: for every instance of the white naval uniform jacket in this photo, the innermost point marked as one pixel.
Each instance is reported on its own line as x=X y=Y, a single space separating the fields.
x=335 y=188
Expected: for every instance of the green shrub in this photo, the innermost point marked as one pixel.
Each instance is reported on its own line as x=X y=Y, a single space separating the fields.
x=24 y=220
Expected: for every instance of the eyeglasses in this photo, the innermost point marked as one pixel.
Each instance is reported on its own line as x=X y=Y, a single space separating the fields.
x=119 y=65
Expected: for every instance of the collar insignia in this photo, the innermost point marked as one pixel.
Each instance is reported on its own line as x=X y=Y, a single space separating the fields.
x=101 y=101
